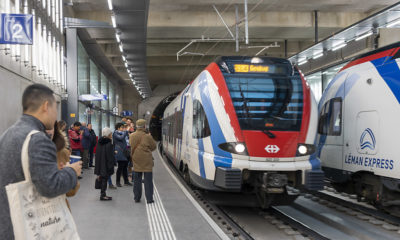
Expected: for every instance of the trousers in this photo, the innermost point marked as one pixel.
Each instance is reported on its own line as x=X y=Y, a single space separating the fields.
x=122 y=169
x=148 y=185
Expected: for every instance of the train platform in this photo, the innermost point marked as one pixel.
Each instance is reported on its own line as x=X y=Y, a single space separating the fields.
x=174 y=215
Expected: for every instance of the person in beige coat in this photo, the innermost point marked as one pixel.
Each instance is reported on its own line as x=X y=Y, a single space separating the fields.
x=142 y=144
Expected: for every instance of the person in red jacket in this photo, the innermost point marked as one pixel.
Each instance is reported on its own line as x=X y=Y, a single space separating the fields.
x=75 y=138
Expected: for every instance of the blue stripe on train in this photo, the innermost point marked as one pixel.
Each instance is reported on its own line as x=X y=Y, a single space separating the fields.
x=390 y=72
x=201 y=158
x=221 y=158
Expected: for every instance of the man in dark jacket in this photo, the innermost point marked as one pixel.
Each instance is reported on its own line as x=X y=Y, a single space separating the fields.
x=40 y=113
x=85 y=146
x=93 y=142
x=104 y=164
x=120 y=146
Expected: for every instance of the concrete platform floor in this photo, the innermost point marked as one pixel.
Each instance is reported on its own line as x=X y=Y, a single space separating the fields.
x=173 y=215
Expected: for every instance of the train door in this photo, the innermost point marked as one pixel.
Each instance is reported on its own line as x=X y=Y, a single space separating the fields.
x=187 y=129
x=330 y=128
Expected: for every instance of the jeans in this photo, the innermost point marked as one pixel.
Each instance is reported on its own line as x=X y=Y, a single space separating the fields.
x=91 y=150
x=109 y=181
x=148 y=185
x=85 y=158
x=122 y=169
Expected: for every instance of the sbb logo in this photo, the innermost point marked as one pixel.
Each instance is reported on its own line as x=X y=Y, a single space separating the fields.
x=272 y=149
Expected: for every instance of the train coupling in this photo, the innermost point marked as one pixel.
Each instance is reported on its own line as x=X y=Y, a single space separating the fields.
x=274 y=182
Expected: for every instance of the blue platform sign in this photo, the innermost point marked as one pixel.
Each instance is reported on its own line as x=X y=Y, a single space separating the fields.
x=127 y=113
x=16 y=29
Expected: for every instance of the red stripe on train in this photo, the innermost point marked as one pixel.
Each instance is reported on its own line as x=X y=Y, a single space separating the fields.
x=372 y=57
x=223 y=91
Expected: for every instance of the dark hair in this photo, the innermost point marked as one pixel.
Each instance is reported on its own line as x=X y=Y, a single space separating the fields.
x=35 y=95
x=77 y=124
x=58 y=138
x=118 y=125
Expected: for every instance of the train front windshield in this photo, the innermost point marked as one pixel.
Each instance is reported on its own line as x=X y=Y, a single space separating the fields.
x=266 y=99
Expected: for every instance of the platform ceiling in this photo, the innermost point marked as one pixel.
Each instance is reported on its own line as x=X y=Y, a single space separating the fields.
x=172 y=24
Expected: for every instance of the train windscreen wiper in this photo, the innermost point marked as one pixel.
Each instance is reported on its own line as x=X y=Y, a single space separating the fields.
x=269 y=133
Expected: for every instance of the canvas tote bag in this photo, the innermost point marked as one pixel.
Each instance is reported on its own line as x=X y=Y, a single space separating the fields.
x=34 y=216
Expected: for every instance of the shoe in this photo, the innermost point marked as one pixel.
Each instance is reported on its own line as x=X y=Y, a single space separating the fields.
x=151 y=201
x=137 y=200
x=79 y=177
x=112 y=187
x=119 y=185
x=128 y=184
x=105 y=198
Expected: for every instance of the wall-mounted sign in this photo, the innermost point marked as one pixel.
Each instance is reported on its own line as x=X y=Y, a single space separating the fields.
x=127 y=113
x=93 y=97
x=72 y=115
x=16 y=29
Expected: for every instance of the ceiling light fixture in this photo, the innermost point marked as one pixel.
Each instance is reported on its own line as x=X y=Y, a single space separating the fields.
x=120 y=48
x=117 y=37
x=110 y=6
x=113 y=21
x=364 y=35
x=318 y=55
x=302 y=62
x=123 y=58
x=393 y=23
x=339 y=46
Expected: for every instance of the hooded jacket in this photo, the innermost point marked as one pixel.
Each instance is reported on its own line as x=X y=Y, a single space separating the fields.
x=105 y=159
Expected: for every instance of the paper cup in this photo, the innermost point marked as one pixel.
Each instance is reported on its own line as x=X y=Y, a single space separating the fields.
x=74 y=158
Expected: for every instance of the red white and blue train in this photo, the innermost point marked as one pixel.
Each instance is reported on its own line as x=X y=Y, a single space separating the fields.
x=245 y=124
x=358 y=128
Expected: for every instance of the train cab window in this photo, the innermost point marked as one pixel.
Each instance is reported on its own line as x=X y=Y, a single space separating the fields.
x=330 y=119
x=201 y=129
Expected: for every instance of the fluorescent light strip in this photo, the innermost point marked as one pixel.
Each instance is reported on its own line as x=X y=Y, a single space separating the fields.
x=364 y=35
x=117 y=37
x=120 y=48
x=110 y=6
x=393 y=23
x=318 y=55
x=302 y=62
x=123 y=58
x=339 y=46
x=113 y=21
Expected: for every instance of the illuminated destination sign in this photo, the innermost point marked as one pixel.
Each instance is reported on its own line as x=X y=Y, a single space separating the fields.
x=246 y=68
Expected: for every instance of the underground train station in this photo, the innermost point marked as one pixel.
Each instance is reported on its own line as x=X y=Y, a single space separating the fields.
x=183 y=119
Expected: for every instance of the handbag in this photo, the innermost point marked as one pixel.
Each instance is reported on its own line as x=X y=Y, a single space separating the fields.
x=34 y=216
x=97 y=183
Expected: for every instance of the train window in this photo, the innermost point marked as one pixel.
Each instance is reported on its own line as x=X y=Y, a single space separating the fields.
x=201 y=129
x=330 y=119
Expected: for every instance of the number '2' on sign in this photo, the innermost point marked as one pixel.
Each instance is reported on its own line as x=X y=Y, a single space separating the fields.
x=16 y=29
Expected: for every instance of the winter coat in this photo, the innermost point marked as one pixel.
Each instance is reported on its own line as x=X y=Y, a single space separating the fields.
x=93 y=140
x=104 y=161
x=86 y=138
x=120 y=145
x=141 y=156
x=74 y=139
x=48 y=180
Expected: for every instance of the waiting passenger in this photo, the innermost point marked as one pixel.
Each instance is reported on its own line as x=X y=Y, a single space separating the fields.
x=93 y=143
x=142 y=144
x=105 y=160
x=40 y=113
x=62 y=125
x=75 y=138
x=85 y=144
x=121 y=154
x=63 y=155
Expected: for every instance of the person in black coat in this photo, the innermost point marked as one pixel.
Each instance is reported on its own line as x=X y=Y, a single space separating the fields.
x=104 y=161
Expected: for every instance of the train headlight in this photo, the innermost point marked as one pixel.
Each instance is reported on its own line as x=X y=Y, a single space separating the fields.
x=234 y=147
x=240 y=148
x=305 y=149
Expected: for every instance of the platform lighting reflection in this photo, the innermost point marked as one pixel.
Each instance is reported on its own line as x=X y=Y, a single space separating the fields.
x=113 y=21
x=393 y=23
x=110 y=6
x=339 y=46
x=362 y=36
